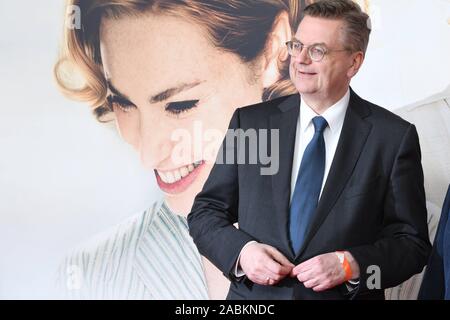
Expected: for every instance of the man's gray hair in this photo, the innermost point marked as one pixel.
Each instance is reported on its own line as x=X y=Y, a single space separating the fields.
x=357 y=23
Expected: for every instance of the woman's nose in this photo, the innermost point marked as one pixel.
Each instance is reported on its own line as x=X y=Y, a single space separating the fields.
x=154 y=143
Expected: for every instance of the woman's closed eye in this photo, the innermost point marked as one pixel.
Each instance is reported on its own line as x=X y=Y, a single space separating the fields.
x=120 y=102
x=174 y=108
x=181 y=106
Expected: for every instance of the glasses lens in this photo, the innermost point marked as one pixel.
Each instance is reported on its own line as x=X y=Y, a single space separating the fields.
x=294 y=48
x=316 y=52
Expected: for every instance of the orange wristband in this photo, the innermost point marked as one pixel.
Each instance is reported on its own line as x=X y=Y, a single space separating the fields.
x=347 y=268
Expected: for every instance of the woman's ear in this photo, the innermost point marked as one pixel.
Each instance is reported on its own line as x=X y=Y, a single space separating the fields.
x=276 y=50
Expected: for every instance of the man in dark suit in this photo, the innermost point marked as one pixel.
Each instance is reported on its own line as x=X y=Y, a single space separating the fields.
x=344 y=215
x=436 y=280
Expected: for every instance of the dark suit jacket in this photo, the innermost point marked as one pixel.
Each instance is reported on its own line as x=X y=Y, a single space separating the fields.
x=436 y=280
x=372 y=204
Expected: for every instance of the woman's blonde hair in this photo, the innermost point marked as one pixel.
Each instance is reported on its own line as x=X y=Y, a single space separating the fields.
x=241 y=27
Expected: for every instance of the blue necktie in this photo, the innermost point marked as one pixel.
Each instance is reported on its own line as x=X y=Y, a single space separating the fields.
x=308 y=185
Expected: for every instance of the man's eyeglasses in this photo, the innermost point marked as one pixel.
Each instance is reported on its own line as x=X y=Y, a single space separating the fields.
x=315 y=51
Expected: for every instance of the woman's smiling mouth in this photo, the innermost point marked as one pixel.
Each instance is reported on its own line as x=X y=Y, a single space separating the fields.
x=178 y=180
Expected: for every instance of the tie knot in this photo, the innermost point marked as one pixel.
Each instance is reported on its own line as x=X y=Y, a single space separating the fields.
x=319 y=124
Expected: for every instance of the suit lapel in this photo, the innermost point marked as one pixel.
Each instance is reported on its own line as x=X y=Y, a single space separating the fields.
x=351 y=142
x=286 y=122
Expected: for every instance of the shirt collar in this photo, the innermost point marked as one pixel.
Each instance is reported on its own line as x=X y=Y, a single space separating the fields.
x=334 y=115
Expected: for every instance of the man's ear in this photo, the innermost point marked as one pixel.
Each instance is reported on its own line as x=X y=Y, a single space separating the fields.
x=275 y=49
x=357 y=61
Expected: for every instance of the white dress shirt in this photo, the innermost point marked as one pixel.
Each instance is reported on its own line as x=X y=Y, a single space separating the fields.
x=334 y=116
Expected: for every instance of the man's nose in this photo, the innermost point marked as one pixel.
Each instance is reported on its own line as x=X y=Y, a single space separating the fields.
x=303 y=56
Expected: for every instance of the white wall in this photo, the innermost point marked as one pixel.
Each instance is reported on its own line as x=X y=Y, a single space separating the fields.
x=408 y=55
x=64 y=177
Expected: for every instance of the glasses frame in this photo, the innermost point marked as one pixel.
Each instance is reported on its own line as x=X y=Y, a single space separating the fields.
x=327 y=50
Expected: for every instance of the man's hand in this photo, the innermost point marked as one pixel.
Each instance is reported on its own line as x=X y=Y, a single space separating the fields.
x=264 y=264
x=324 y=271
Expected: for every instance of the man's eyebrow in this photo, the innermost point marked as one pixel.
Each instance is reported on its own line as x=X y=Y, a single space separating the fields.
x=316 y=43
x=166 y=94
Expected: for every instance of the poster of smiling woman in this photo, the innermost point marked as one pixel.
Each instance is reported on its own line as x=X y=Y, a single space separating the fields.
x=114 y=112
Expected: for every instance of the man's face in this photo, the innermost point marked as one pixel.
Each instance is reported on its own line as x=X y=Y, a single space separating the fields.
x=329 y=78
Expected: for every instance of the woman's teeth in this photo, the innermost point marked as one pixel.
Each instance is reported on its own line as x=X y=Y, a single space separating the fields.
x=178 y=174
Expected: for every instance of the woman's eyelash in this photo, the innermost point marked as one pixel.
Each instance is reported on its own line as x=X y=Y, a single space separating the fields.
x=120 y=102
x=182 y=106
x=173 y=107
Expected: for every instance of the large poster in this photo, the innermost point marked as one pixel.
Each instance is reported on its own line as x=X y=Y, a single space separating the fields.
x=114 y=111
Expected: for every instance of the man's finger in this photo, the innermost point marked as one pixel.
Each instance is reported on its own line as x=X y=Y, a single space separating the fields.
x=280 y=258
x=274 y=267
x=271 y=268
x=263 y=279
x=262 y=274
x=320 y=288
x=303 y=267
x=306 y=275
x=311 y=283
x=272 y=275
